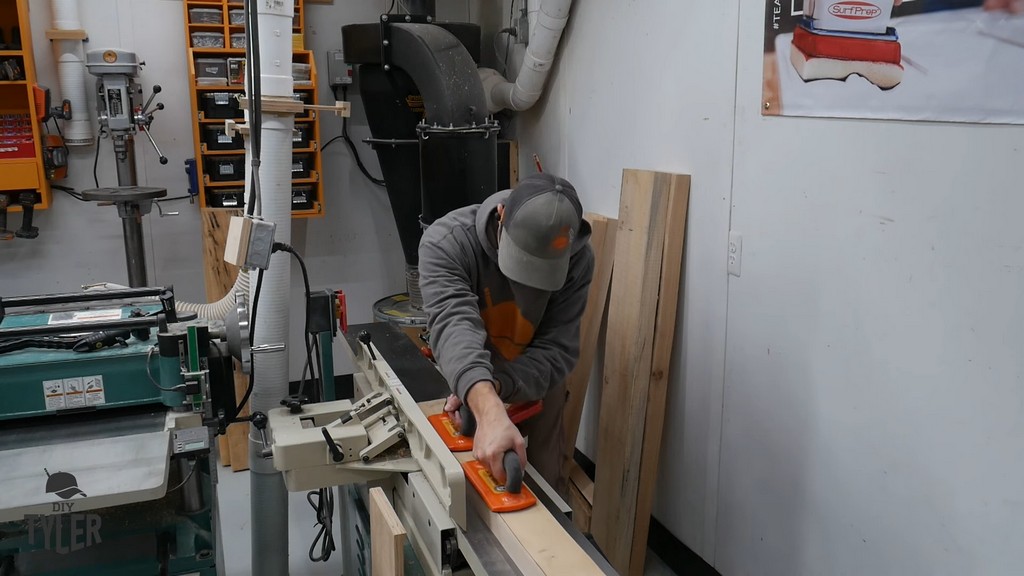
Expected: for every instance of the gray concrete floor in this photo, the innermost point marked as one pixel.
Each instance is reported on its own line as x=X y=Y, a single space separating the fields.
x=233 y=492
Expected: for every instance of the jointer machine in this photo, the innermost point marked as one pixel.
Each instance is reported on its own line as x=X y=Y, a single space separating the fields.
x=385 y=439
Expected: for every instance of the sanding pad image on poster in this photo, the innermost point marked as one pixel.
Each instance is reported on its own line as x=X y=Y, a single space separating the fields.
x=936 y=60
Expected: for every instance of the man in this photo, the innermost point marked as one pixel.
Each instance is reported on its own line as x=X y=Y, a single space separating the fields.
x=504 y=285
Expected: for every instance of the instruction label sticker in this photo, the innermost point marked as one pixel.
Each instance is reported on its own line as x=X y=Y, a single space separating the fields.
x=70 y=317
x=94 y=390
x=74 y=393
x=53 y=392
x=77 y=392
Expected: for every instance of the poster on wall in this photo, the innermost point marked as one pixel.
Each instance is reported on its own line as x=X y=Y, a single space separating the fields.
x=934 y=60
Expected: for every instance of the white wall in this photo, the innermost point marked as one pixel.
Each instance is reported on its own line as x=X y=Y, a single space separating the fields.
x=873 y=409
x=625 y=95
x=873 y=402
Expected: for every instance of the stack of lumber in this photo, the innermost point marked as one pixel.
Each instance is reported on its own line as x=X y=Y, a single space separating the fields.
x=648 y=252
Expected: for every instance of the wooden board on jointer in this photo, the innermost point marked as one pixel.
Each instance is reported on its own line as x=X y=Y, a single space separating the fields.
x=387 y=537
x=602 y=240
x=639 y=257
x=533 y=538
x=664 y=338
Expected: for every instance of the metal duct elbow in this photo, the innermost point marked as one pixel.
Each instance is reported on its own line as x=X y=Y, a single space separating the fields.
x=540 y=54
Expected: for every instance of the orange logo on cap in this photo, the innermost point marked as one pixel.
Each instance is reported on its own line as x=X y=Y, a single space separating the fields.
x=561 y=242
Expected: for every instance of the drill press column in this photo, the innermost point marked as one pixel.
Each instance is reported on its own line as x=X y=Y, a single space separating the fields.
x=133 y=202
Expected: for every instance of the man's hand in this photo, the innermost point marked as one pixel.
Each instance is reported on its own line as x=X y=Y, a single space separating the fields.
x=495 y=433
x=451 y=406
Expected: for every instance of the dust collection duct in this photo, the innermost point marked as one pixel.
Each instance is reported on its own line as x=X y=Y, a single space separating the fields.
x=427 y=114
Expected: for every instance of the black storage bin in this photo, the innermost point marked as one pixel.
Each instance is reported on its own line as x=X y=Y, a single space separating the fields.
x=302 y=164
x=305 y=98
x=224 y=168
x=216 y=138
x=220 y=105
x=302 y=197
x=300 y=138
x=225 y=197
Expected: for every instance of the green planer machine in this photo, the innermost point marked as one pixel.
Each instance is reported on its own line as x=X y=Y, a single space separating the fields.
x=109 y=403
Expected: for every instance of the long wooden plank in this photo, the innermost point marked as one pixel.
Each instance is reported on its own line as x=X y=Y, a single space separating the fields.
x=664 y=338
x=220 y=276
x=387 y=537
x=602 y=240
x=639 y=252
x=238 y=433
x=532 y=537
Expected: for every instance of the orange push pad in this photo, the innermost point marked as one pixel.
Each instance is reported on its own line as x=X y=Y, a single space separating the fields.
x=494 y=494
x=456 y=442
x=446 y=429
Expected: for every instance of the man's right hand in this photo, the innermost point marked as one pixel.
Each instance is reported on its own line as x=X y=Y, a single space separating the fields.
x=495 y=433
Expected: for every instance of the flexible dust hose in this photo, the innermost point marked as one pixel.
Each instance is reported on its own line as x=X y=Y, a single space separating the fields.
x=213 y=311
x=221 y=308
x=71 y=74
x=268 y=497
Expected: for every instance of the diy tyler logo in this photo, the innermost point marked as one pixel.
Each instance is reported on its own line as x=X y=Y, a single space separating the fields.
x=63 y=531
x=63 y=484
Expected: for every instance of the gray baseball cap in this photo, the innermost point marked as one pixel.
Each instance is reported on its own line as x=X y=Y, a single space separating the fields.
x=541 y=220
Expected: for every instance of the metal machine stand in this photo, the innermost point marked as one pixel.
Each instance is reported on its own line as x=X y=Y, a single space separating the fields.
x=121 y=117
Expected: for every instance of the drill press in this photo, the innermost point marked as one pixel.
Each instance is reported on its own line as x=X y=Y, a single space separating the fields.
x=120 y=117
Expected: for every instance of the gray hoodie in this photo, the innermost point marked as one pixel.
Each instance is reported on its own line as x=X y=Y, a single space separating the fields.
x=482 y=325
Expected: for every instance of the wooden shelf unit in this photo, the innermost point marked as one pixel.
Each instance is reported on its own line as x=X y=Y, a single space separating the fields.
x=198 y=92
x=23 y=169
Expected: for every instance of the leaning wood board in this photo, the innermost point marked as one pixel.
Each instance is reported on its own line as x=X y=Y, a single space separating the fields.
x=645 y=241
x=602 y=240
x=532 y=537
x=664 y=337
x=220 y=277
x=387 y=537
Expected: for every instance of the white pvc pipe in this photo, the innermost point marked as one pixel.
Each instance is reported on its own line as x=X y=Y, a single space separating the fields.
x=268 y=497
x=545 y=34
x=71 y=74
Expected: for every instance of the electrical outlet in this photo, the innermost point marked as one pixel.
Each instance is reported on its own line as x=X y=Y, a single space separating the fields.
x=735 y=253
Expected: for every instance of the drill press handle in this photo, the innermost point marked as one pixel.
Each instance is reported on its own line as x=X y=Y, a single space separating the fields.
x=144 y=119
